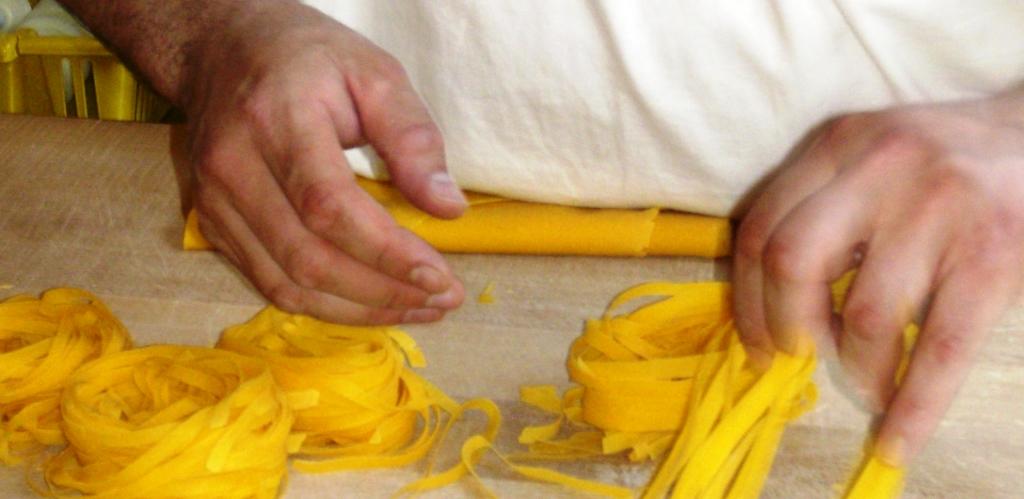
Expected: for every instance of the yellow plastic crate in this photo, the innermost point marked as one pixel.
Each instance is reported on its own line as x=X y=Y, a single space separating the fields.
x=32 y=80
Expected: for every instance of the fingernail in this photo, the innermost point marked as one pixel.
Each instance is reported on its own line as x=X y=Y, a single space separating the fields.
x=444 y=300
x=422 y=315
x=443 y=187
x=428 y=278
x=892 y=451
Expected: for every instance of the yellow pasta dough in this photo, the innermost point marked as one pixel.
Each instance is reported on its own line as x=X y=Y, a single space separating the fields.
x=173 y=421
x=42 y=341
x=498 y=225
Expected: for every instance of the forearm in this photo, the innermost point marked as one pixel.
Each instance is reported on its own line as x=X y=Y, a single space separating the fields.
x=160 y=39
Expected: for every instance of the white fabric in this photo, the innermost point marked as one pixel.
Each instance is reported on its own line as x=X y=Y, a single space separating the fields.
x=680 y=104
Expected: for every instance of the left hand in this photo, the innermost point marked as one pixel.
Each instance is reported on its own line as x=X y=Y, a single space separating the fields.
x=929 y=201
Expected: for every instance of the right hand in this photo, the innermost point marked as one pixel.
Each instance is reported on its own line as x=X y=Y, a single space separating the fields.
x=272 y=99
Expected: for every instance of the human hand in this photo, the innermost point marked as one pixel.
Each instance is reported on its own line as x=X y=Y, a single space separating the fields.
x=272 y=98
x=929 y=202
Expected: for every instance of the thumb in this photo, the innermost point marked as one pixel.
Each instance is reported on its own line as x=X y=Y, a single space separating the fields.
x=397 y=124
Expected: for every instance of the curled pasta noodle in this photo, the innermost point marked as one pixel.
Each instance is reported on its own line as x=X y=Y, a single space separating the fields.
x=362 y=402
x=670 y=381
x=173 y=421
x=42 y=341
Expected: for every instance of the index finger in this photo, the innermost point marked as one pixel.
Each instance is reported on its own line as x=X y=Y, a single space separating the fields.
x=321 y=187
x=811 y=248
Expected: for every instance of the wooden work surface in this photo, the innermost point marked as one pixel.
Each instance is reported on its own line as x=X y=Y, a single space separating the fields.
x=97 y=206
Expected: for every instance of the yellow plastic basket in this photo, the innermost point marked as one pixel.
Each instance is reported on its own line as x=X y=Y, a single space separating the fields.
x=33 y=71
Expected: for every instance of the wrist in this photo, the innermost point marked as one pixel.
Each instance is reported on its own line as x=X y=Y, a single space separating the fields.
x=165 y=42
x=214 y=40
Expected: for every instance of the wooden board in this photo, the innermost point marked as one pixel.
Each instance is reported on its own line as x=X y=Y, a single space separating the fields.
x=97 y=205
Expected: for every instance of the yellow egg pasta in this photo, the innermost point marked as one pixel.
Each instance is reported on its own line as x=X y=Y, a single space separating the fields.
x=666 y=381
x=366 y=402
x=361 y=402
x=173 y=421
x=876 y=479
x=486 y=296
x=670 y=381
x=496 y=225
x=42 y=341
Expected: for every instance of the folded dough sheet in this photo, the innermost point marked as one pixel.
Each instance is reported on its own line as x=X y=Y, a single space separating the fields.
x=497 y=225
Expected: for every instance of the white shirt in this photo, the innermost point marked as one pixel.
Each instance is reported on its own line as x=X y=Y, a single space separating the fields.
x=683 y=104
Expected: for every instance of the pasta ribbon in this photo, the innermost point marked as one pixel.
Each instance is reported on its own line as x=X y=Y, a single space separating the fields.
x=367 y=403
x=670 y=381
x=876 y=479
x=362 y=401
x=666 y=381
x=42 y=341
x=173 y=421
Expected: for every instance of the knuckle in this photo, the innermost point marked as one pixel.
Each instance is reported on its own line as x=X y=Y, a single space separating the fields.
x=947 y=349
x=392 y=297
x=914 y=407
x=1000 y=224
x=1007 y=221
x=214 y=164
x=389 y=68
x=285 y=296
x=757 y=340
x=752 y=238
x=385 y=80
x=320 y=208
x=256 y=110
x=387 y=256
x=866 y=320
x=993 y=246
x=896 y=140
x=895 y=145
x=306 y=266
x=839 y=131
x=379 y=316
x=947 y=181
x=418 y=139
x=783 y=259
x=380 y=89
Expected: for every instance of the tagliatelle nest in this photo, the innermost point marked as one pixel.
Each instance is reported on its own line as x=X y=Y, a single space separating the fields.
x=361 y=402
x=668 y=381
x=42 y=341
x=173 y=421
